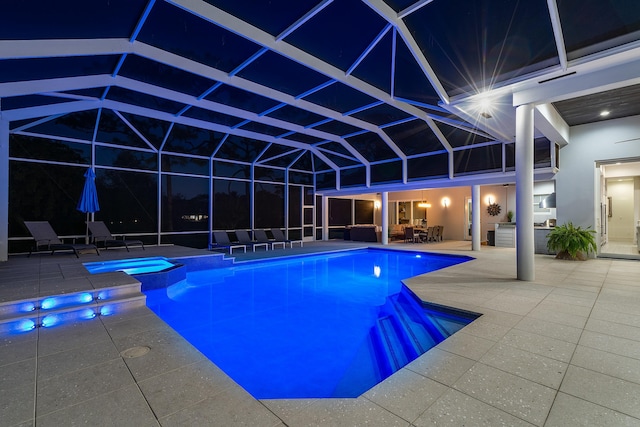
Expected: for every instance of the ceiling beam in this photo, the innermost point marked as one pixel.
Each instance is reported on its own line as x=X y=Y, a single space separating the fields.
x=557 y=32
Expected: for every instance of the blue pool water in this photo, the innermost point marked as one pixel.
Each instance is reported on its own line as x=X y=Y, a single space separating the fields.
x=130 y=266
x=314 y=326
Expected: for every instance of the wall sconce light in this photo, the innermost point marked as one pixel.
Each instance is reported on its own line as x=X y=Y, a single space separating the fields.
x=376 y=204
x=490 y=200
x=446 y=202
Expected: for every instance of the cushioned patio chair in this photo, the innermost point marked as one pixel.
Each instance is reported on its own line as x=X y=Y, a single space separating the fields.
x=47 y=239
x=278 y=235
x=100 y=233
x=222 y=242
x=261 y=237
x=245 y=239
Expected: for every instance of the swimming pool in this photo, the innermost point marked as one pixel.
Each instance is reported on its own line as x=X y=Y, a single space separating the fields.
x=330 y=325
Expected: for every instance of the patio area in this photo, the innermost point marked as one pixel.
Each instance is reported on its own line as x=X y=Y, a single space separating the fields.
x=563 y=350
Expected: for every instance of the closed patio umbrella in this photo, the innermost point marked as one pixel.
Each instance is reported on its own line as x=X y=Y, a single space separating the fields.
x=88 y=202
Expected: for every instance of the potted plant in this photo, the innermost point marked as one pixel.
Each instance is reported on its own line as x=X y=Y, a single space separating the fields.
x=570 y=242
x=510 y=216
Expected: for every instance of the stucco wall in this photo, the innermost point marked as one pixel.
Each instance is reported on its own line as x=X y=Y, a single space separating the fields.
x=577 y=180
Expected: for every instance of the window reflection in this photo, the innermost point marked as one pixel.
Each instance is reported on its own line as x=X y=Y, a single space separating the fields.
x=230 y=205
x=269 y=205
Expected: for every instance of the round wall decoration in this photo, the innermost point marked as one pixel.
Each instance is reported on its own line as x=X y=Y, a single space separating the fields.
x=493 y=209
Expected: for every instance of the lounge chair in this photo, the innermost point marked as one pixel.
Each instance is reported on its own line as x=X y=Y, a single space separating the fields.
x=278 y=235
x=101 y=233
x=223 y=242
x=46 y=238
x=243 y=237
x=261 y=237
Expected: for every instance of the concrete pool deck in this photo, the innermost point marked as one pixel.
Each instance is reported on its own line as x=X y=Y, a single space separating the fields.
x=562 y=350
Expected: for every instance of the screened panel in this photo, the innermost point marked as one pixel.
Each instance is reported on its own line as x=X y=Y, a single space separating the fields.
x=340 y=97
x=144 y=100
x=183 y=33
x=386 y=172
x=435 y=166
x=503 y=26
x=269 y=205
x=304 y=162
x=112 y=130
x=14 y=70
x=45 y=192
x=371 y=70
x=337 y=128
x=78 y=125
x=29 y=147
x=15 y=102
x=161 y=75
x=282 y=74
x=371 y=147
x=122 y=158
x=300 y=178
x=239 y=98
x=273 y=16
x=128 y=201
x=381 y=114
x=231 y=205
x=460 y=138
x=239 y=148
x=231 y=170
x=296 y=115
x=112 y=19
x=268 y=174
x=353 y=177
x=414 y=137
x=212 y=116
x=481 y=159
x=295 y=206
x=341 y=18
x=326 y=180
x=185 y=203
x=263 y=128
x=409 y=79
x=182 y=164
x=598 y=26
x=192 y=140
x=153 y=130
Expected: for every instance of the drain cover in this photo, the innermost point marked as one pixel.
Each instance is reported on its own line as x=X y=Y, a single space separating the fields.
x=134 y=352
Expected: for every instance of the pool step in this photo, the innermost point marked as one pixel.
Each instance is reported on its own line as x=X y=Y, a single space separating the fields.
x=400 y=336
x=45 y=311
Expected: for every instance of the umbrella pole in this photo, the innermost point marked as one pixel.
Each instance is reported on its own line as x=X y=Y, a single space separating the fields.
x=86 y=235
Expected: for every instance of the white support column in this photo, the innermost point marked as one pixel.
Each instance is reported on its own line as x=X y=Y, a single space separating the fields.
x=525 y=247
x=4 y=190
x=325 y=218
x=385 y=217
x=475 y=218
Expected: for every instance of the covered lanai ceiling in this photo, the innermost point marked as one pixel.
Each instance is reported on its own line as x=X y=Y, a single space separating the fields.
x=316 y=85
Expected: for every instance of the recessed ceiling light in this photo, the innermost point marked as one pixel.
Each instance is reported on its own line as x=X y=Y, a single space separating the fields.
x=604 y=113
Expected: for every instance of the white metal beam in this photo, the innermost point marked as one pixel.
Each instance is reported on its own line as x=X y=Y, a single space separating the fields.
x=557 y=32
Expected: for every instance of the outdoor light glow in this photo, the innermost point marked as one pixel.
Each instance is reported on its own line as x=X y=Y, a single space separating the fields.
x=376 y=204
x=26 y=307
x=85 y=297
x=490 y=200
x=106 y=310
x=25 y=325
x=50 y=320
x=446 y=202
x=48 y=303
x=376 y=270
x=87 y=313
x=605 y=113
